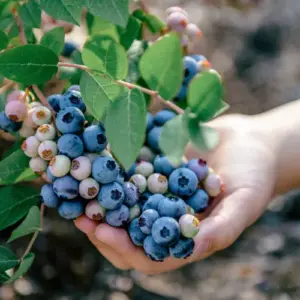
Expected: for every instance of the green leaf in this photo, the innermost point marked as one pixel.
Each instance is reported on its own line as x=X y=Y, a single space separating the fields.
x=105 y=55
x=24 y=267
x=130 y=33
x=174 y=139
x=162 y=67
x=4 y=277
x=66 y=10
x=97 y=92
x=2 y=101
x=114 y=11
x=3 y=40
x=29 y=225
x=29 y=64
x=31 y=39
x=15 y=203
x=153 y=23
x=205 y=95
x=54 y=39
x=30 y=14
x=8 y=259
x=125 y=124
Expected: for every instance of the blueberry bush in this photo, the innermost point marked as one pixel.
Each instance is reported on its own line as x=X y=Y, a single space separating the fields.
x=95 y=145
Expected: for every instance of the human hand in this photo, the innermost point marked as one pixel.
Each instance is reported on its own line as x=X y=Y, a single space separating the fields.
x=246 y=161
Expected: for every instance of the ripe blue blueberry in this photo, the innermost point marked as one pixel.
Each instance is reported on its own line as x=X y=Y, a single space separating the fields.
x=135 y=233
x=132 y=194
x=182 y=93
x=166 y=231
x=131 y=170
x=70 y=210
x=173 y=207
x=190 y=69
x=70 y=120
x=105 y=169
x=144 y=198
x=199 y=201
x=50 y=177
x=54 y=101
x=163 y=166
x=70 y=145
x=72 y=99
x=118 y=217
x=163 y=117
x=48 y=197
x=68 y=49
x=111 y=195
x=66 y=187
x=199 y=167
x=94 y=138
x=121 y=176
x=198 y=58
x=153 y=202
x=149 y=123
x=7 y=124
x=183 y=249
x=146 y=220
x=153 y=138
x=155 y=251
x=183 y=182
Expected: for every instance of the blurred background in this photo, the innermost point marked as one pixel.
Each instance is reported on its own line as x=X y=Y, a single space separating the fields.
x=255 y=45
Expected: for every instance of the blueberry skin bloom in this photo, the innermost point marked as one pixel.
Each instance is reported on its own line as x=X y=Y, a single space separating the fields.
x=155 y=251
x=199 y=201
x=163 y=117
x=105 y=169
x=149 y=120
x=54 y=101
x=70 y=210
x=111 y=196
x=143 y=199
x=166 y=231
x=70 y=120
x=183 y=248
x=70 y=145
x=153 y=138
x=183 y=182
x=190 y=67
x=118 y=217
x=173 y=207
x=163 y=166
x=94 y=138
x=135 y=233
x=48 y=197
x=199 y=167
x=153 y=202
x=132 y=194
x=72 y=98
x=66 y=187
x=146 y=220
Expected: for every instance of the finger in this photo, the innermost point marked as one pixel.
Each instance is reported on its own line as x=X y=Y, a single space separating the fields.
x=86 y=225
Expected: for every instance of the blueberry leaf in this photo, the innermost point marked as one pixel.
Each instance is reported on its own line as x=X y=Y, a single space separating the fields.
x=30 y=14
x=130 y=33
x=4 y=277
x=161 y=66
x=125 y=124
x=54 y=40
x=8 y=259
x=3 y=40
x=30 y=224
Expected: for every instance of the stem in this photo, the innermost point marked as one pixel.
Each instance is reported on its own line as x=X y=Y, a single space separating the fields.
x=144 y=6
x=40 y=95
x=21 y=29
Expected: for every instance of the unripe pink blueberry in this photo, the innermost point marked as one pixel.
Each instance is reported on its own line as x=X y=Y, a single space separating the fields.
x=26 y=131
x=140 y=182
x=47 y=150
x=184 y=40
x=60 y=165
x=30 y=146
x=89 y=188
x=144 y=168
x=16 y=95
x=213 y=184
x=81 y=168
x=177 y=21
x=38 y=165
x=134 y=212
x=157 y=184
x=95 y=211
x=189 y=226
x=173 y=9
x=146 y=154
x=29 y=121
x=16 y=110
x=192 y=30
x=41 y=115
x=45 y=132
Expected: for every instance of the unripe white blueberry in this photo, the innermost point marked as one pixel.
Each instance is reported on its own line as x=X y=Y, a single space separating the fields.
x=16 y=95
x=189 y=226
x=34 y=104
x=45 y=132
x=47 y=150
x=95 y=211
x=134 y=212
x=81 y=168
x=146 y=154
x=173 y=9
x=213 y=184
x=41 y=115
x=144 y=168
x=60 y=165
x=31 y=146
x=91 y=156
x=38 y=165
x=192 y=30
x=157 y=184
x=190 y=210
x=16 y=110
x=140 y=182
x=177 y=21
x=26 y=131
x=89 y=188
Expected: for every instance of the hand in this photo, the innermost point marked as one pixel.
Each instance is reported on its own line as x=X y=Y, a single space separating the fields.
x=246 y=160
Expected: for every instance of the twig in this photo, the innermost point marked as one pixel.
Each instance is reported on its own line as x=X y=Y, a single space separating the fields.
x=144 y=6
x=6 y=87
x=21 y=28
x=40 y=95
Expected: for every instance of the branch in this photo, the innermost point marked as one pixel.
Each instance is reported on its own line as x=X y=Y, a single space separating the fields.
x=20 y=27
x=144 y=6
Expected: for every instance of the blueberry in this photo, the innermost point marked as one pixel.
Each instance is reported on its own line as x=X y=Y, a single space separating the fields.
x=40 y=115
x=144 y=168
x=135 y=233
x=66 y=187
x=140 y=182
x=111 y=195
x=45 y=132
x=81 y=168
x=150 y=123
x=50 y=176
x=38 y=165
x=70 y=120
x=89 y=188
x=157 y=183
x=153 y=201
x=60 y=165
x=213 y=184
x=189 y=226
x=72 y=99
x=70 y=145
x=121 y=176
x=74 y=87
x=190 y=69
x=7 y=124
x=182 y=93
x=198 y=58
x=166 y=231
x=30 y=146
x=162 y=165
x=146 y=220
x=54 y=101
x=199 y=167
x=94 y=211
x=144 y=198
x=173 y=207
x=131 y=170
x=163 y=117
x=94 y=138
x=118 y=217
x=183 y=182
x=68 y=49
x=131 y=194
x=70 y=210
x=155 y=251
x=146 y=154
x=199 y=201
x=47 y=150
x=183 y=249
x=48 y=197
x=153 y=138
x=177 y=21
x=105 y=169
x=134 y=212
